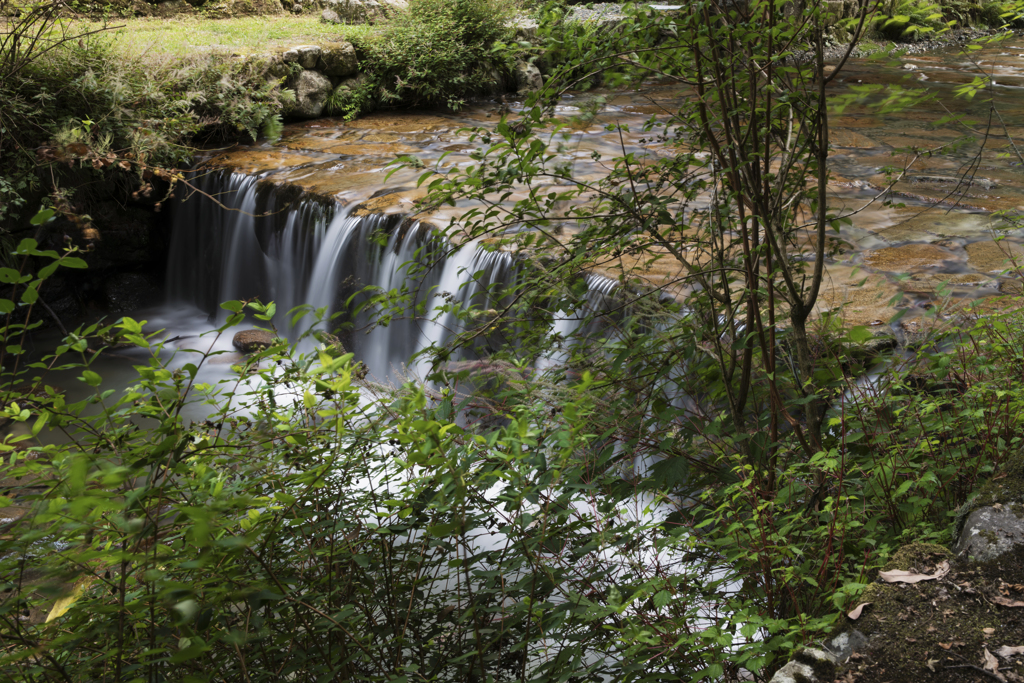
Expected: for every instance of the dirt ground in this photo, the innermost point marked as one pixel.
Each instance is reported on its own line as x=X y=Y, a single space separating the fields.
x=962 y=628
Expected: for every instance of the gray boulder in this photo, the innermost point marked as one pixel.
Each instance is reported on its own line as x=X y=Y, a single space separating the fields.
x=312 y=89
x=845 y=644
x=305 y=55
x=252 y=341
x=990 y=531
x=338 y=60
x=528 y=77
x=359 y=11
x=807 y=666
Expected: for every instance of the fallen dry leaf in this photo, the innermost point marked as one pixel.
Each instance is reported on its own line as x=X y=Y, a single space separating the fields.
x=945 y=646
x=902 y=576
x=1006 y=651
x=991 y=663
x=856 y=611
x=1007 y=602
x=988 y=631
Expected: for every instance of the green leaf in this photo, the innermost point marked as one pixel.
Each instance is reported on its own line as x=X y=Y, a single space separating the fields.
x=73 y=262
x=859 y=334
x=31 y=294
x=670 y=472
x=43 y=216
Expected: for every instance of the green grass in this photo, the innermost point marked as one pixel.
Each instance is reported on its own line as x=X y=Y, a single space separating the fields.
x=191 y=35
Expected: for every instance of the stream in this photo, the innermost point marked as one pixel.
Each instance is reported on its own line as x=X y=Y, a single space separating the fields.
x=294 y=221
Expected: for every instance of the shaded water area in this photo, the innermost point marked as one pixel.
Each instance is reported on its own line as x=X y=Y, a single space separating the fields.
x=313 y=219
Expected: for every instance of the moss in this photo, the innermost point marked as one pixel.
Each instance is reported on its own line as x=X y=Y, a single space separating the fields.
x=917 y=557
x=943 y=622
x=824 y=669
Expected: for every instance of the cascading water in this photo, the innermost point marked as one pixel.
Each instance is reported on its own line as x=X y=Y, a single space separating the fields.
x=238 y=239
x=579 y=323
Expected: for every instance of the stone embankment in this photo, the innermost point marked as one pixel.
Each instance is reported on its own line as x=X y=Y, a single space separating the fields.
x=330 y=72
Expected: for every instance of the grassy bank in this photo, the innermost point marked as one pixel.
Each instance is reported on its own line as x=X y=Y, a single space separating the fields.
x=185 y=37
x=126 y=96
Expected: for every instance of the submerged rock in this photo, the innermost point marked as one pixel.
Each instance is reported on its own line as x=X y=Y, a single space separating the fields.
x=909 y=257
x=252 y=341
x=988 y=255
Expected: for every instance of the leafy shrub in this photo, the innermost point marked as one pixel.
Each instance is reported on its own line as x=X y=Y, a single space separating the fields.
x=309 y=530
x=911 y=20
x=435 y=52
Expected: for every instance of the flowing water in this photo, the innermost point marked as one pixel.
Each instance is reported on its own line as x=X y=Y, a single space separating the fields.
x=312 y=219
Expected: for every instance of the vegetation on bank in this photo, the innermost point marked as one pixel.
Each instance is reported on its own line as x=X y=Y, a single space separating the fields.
x=183 y=37
x=692 y=491
x=125 y=100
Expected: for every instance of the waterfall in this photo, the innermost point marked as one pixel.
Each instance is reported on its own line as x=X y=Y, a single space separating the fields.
x=579 y=323
x=238 y=238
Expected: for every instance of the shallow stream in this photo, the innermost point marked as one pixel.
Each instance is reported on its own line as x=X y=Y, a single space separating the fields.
x=324 y=193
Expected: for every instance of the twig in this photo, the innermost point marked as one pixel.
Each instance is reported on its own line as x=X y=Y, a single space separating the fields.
x=54 y=316
x=978 y=669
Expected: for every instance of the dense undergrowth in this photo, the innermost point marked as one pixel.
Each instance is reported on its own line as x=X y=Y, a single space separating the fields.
x=438 y=53
x=308 y=527
x=690 y=492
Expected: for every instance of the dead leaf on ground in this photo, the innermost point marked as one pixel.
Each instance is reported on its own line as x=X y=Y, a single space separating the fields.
x=856 y=611
x=1006 y=651
x=991 y=663
x=988 y=631
x=903 y=576
x=931 y=664
x=1007 y=602
x=945 y=646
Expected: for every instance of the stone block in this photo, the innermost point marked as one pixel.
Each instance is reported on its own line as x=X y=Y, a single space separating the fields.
x=338 y=60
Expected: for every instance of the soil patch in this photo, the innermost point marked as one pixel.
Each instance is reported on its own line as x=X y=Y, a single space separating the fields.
x=940 y=630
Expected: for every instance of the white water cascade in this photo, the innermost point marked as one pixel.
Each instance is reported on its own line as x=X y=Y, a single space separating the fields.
x=250 y=243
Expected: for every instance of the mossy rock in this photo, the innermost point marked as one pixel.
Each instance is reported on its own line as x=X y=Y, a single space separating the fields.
x=338 y=59
x=252 y=341
x=1005 y=486
x=917 y=557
